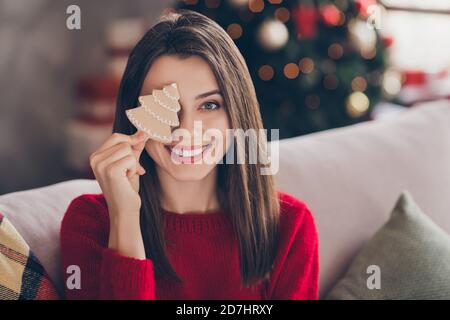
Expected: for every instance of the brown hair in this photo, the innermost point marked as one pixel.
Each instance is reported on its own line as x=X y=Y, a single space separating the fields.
x=249 y=197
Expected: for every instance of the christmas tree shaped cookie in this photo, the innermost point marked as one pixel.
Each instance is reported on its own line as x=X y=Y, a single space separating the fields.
x=157 y=113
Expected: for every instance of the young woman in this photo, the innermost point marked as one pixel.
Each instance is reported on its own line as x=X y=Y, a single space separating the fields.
x=164 y=230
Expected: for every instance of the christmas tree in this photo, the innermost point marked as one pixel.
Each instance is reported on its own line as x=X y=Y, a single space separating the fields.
x=316 y=64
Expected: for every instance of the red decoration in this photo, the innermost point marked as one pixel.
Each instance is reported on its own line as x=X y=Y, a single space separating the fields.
x=305 y=18
x=414 y=77
x=421 y=86
x=388 y=41
x=362 y=6
x=97 y=98
x=330 y=14
x=98 y=87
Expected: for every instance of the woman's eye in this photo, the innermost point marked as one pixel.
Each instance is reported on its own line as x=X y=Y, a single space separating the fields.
x=210 y=105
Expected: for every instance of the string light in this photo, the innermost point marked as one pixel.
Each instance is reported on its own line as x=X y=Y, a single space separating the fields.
x=331 y=15
x=359 y=84
x=306 y=65
x=335 y=51
x=282 y=14
x=357 y=104
x=265 y=72
x=275 y=1
x=291 y=71
x=256 y=5
x=368 y=53
x=363 y=38
x=392 y=82
x=272 y=34
x=234 y=30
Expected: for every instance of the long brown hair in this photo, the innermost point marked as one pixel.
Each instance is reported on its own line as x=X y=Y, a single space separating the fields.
x=248 y=196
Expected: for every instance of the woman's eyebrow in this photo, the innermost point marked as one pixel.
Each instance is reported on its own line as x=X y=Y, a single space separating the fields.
x=209 y=93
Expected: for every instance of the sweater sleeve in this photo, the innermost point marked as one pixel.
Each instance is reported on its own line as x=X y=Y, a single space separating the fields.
x=297 y=276
x=103 y=272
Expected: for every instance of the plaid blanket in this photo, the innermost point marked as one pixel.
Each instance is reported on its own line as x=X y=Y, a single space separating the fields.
x=22 y=276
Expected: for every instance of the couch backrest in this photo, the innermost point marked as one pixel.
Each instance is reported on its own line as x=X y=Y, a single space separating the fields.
x=349 y=177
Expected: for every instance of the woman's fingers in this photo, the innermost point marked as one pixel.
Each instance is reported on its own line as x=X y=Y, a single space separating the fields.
x=116 y=138
x=138 y=148
x=121 y=150
x=111 y=155
x=125 y=166
x=118 y=141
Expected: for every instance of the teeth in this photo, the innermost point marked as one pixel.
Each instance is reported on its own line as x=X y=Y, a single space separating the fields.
x=187 y=153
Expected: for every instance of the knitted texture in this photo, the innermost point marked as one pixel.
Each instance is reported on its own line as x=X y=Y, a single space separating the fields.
x=202 y=250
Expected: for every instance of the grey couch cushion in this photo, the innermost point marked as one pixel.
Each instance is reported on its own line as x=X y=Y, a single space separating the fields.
x=410 y=257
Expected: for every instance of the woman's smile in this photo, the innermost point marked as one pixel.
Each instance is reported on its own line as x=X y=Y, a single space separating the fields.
x=187 y=154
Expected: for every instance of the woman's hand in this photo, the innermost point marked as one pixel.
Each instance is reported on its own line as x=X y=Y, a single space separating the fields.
x=116 y=168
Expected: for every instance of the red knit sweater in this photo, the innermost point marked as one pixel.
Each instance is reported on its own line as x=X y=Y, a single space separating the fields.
x=203 y=254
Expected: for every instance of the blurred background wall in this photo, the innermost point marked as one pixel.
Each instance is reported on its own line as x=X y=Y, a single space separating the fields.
x=40 y=63
x=57 y=86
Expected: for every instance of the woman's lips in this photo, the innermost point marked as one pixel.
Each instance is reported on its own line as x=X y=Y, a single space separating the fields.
x=187 y=154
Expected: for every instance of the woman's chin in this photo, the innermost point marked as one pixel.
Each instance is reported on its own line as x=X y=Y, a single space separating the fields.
x=189 y=172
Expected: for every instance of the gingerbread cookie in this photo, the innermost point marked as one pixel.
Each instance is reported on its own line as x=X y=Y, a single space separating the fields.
x=158 y=113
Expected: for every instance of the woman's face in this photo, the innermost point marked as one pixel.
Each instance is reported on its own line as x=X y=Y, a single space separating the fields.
x=200 y=140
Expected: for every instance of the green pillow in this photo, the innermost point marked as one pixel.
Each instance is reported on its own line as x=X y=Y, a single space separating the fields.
x=408 y=258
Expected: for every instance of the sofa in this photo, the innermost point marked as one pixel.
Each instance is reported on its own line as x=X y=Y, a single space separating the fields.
x=350 y=178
